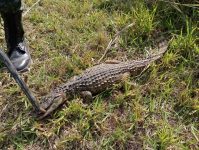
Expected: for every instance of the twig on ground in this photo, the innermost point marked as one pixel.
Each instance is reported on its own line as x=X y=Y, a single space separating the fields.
x=113 y=40
x=26 y=12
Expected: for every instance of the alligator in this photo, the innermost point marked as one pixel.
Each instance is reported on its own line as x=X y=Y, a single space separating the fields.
x=97 y=79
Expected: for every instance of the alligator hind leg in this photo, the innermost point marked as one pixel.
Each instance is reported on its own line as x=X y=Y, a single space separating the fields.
x=126 y=83
x=126 y=79
x=125 y=76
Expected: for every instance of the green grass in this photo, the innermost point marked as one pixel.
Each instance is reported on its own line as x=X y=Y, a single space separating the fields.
x=160 y=112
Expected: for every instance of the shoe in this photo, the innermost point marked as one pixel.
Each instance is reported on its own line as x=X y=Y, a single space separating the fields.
x=18 y=51
x=20 y=57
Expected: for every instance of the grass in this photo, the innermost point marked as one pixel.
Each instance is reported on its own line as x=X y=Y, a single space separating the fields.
x=160 y=112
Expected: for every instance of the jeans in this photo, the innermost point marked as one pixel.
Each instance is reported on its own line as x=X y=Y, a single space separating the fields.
x=10 y=6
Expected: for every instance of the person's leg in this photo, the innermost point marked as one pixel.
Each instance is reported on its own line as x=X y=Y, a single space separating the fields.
x=17 y=49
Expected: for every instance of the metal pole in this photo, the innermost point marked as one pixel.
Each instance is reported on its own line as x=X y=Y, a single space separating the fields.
x=4 y=58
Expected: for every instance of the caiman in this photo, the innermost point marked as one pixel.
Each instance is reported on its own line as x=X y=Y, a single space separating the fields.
x=97 y=79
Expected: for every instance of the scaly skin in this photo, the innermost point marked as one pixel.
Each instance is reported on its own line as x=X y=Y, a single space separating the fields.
x=96 y=79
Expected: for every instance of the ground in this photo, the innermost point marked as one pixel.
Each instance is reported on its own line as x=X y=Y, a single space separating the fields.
x=161 y=111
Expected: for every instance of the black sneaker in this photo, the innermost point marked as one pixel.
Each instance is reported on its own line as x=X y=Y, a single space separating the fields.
x=20 y=57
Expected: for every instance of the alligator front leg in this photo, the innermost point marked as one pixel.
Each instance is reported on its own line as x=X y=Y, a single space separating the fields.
x=87 y=96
